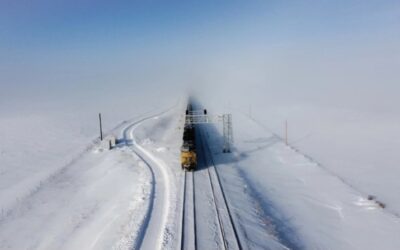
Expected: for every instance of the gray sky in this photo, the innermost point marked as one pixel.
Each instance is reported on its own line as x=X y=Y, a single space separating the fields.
x=281 y=51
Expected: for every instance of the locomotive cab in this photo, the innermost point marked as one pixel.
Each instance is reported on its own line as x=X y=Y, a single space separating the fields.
x=188 y=157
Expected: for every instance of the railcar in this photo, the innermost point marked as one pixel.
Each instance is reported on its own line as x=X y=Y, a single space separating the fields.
x=188 y=149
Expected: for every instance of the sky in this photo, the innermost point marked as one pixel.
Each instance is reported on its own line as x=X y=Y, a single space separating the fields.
x=331 y=68
x=302 y=50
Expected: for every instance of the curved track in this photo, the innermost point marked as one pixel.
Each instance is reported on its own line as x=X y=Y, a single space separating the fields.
x=155 y=220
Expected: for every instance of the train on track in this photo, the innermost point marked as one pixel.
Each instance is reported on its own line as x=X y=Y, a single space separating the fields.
x=188 y=149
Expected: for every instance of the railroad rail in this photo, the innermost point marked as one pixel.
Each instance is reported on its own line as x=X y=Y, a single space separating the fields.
x=188 y=230
x=226 y=226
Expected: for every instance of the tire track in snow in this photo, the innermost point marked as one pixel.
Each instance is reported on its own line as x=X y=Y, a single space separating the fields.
x=152 y=230
x=48 y=177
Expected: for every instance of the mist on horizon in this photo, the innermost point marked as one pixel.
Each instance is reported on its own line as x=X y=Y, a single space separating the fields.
x=281 y=53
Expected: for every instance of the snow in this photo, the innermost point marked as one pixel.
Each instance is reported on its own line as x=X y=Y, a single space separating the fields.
x=77 y=194
x=156 y=219
x=331 y=69
x=62 y=190
x=308 y=205
x=86 y=205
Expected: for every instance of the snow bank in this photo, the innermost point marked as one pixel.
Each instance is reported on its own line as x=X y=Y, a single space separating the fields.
x=310 y=207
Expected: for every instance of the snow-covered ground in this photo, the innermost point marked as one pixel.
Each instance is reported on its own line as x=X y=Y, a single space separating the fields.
x=91 y=204
x=308 y=206
x=358 y=145
x=329 y=68
x=39 y=138
x=61 y=190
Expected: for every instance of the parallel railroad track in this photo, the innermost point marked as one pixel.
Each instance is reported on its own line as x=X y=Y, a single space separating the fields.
x=227 y=228
x=188 y=230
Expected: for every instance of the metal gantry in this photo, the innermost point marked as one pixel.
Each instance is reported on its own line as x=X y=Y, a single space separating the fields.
x=201 y=117
x=227 y=132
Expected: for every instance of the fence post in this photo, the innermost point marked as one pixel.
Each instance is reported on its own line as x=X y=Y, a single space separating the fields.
x=101 y=129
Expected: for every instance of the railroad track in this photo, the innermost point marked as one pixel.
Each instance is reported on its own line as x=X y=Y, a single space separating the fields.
x=188 y=231
x=227 y=229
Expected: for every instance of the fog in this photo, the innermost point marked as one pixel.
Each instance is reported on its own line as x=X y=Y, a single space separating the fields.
x=330 y=68
x=310 y=51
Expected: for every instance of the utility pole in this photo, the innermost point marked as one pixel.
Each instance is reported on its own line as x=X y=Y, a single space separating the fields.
x=101 y=129
x=286 y=132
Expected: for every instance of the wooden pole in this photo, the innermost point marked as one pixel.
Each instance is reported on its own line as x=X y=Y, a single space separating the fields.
x=101 y=129
x=286 y=132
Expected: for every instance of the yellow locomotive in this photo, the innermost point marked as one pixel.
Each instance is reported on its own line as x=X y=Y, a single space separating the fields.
x=188 y=149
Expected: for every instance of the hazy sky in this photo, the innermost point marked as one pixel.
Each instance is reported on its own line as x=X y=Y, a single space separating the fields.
x=60 y=46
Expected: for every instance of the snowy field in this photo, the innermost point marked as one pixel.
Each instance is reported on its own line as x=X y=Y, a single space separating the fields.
x=358 y=145
x=59 y=188
x=308 y=205
x=130 y=197
x=330 y=69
